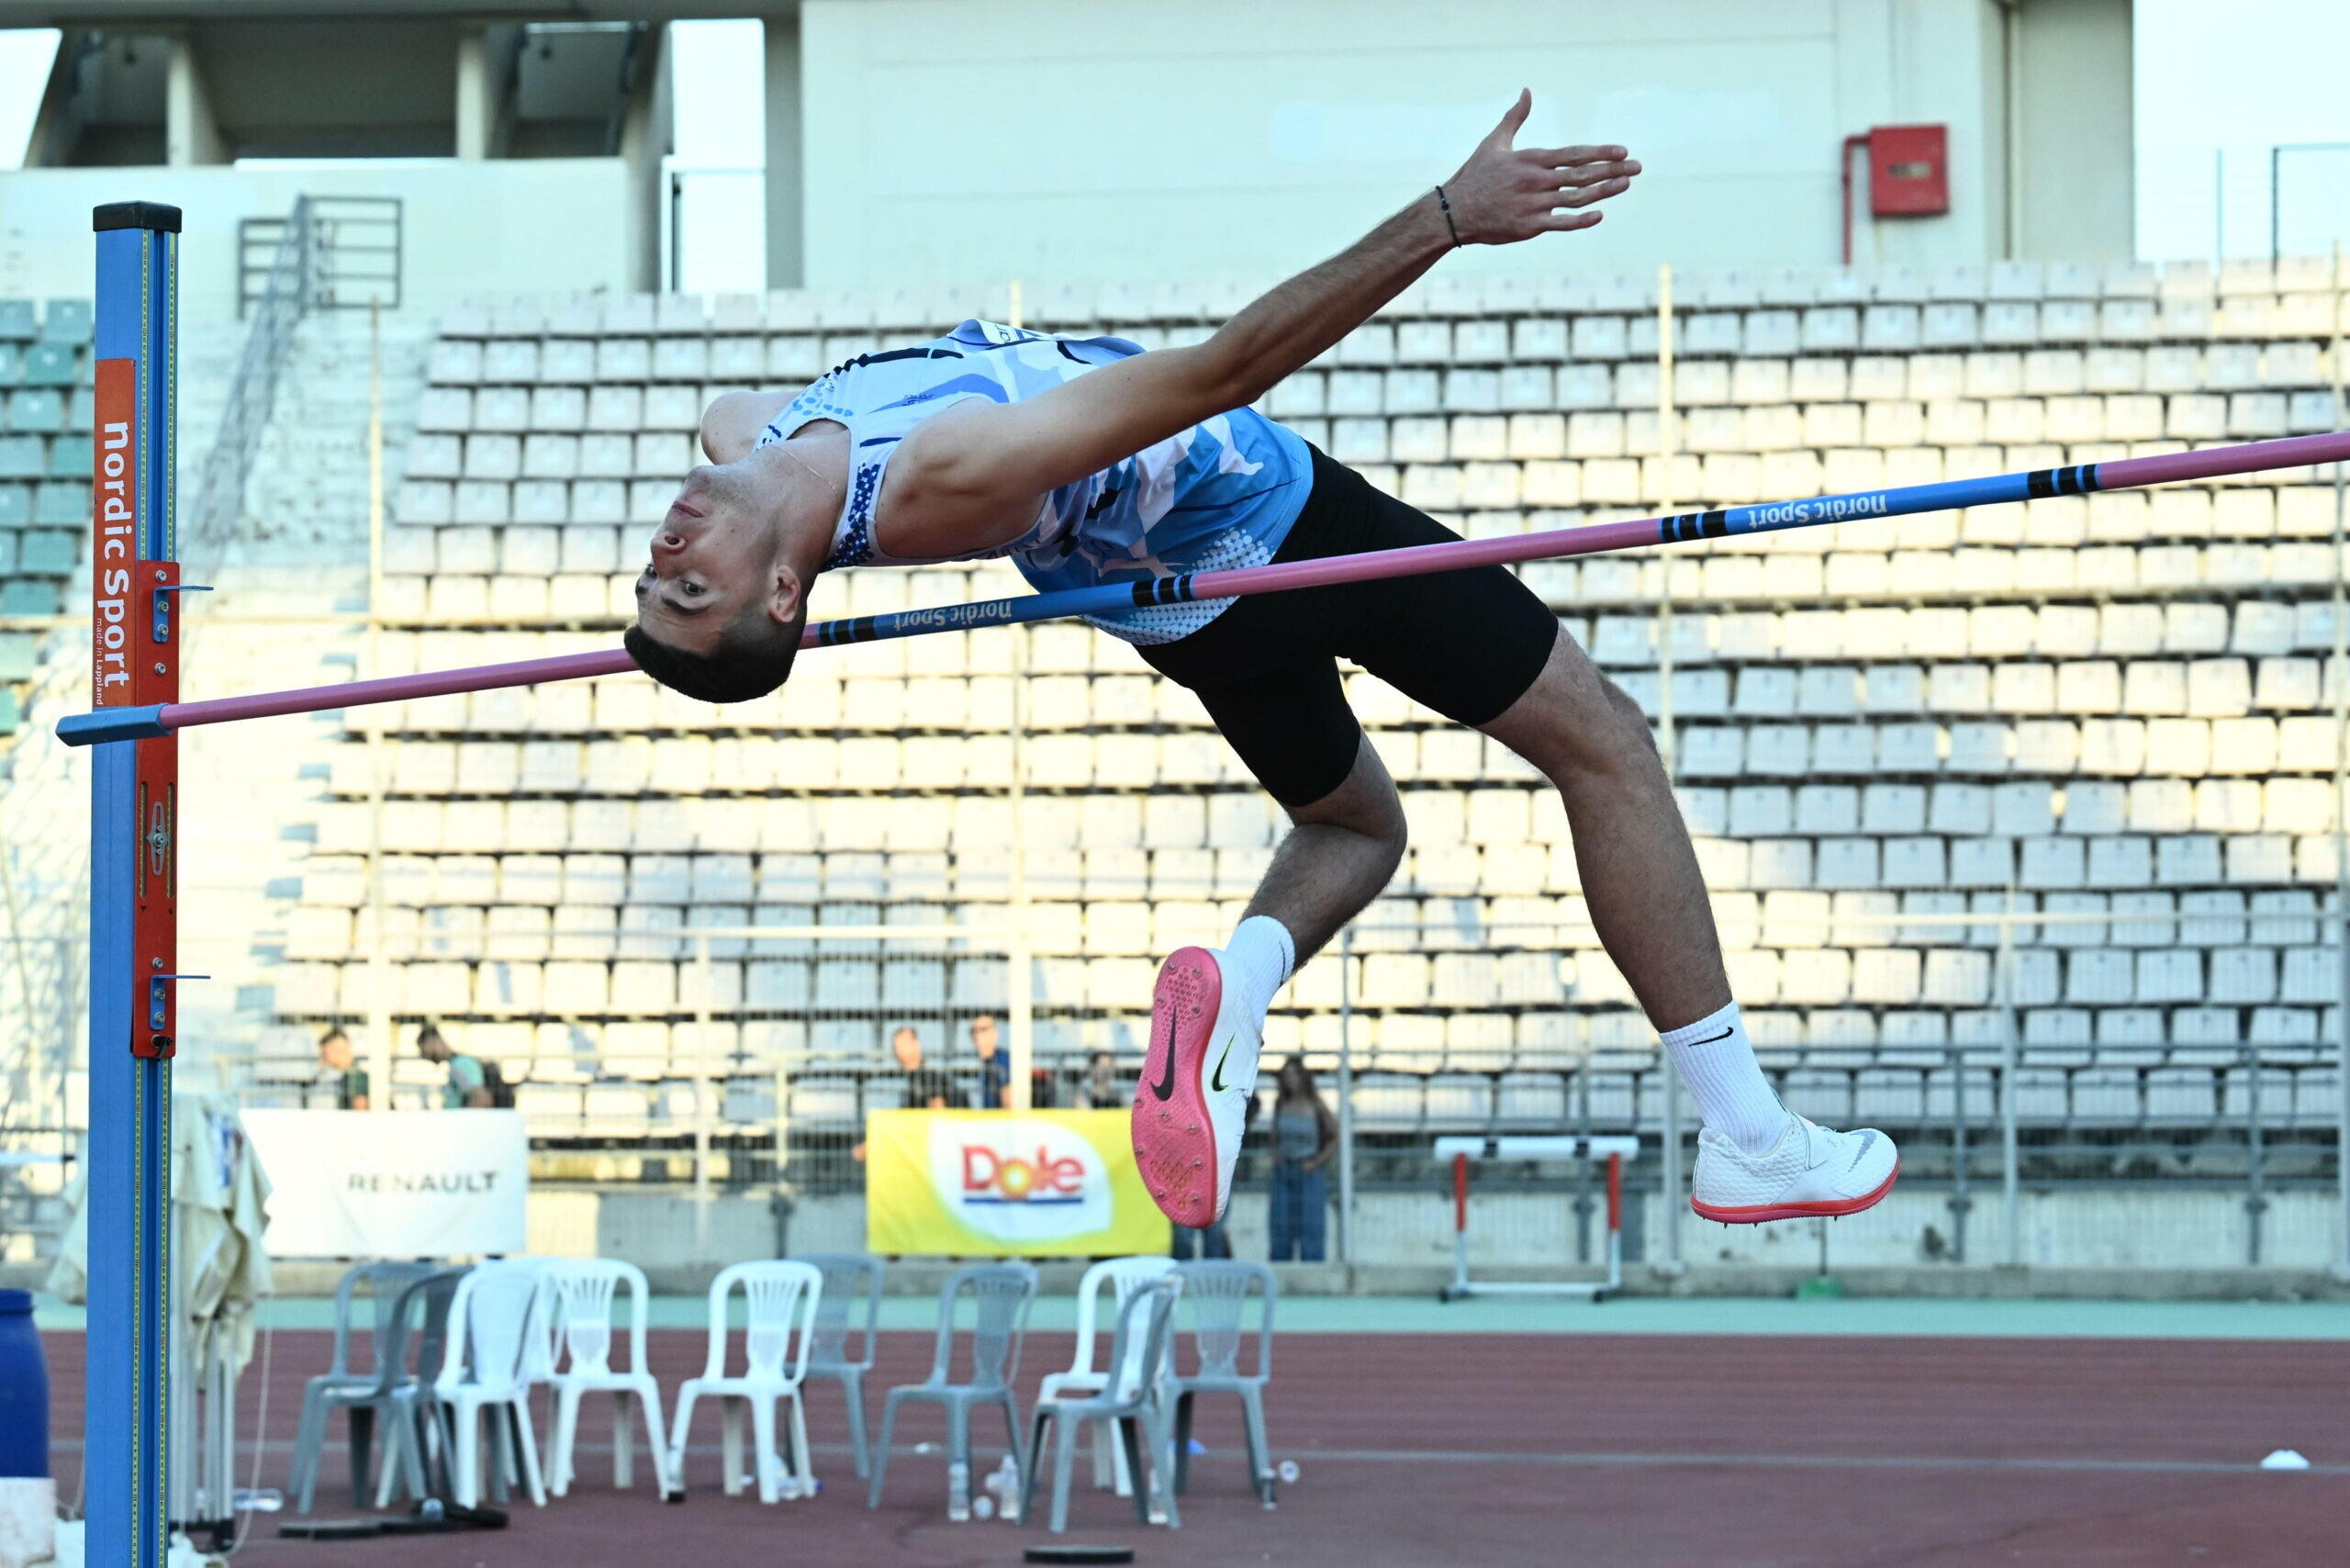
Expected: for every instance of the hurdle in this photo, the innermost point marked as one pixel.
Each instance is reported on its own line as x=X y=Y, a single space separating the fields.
x=1461 y=1152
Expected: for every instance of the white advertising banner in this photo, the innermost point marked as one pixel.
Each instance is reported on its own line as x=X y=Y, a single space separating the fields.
x=398 y=1184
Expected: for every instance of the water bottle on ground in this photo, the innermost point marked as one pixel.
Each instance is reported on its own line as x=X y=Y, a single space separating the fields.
x=256 y=1500
x=1006 y=1484
x=958 y=1491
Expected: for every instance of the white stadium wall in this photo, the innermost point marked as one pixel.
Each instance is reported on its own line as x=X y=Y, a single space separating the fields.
x=1235 y=140
x=471 y=229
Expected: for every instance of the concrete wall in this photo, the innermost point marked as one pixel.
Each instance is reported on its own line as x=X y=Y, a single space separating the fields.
x=1089 y=139
x=471 y=229
x=2168 y=1230
x=2074 y=126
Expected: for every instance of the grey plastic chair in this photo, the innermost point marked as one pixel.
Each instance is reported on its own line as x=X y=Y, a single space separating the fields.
x=413 y=1436
x=847 y=1277
x=360 y=1393
x=1218 y=1294
x=1002 y=1292
x=1132 y=1402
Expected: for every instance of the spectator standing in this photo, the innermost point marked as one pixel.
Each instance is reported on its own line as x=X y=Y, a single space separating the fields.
x=1100 y=1089
x=1305 y=1135
x=351 y=1085
x=995 y=1071
x=927 y=1088
x=468 y=1085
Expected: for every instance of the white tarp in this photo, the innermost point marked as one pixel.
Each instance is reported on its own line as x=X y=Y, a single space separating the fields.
x=398 y=1184
x=224 y=1199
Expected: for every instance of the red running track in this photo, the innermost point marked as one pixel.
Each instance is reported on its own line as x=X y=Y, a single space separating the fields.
x=1539 y=1449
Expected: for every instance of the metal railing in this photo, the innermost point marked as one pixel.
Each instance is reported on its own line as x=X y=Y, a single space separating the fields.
x=2016 y=1108
x=345 y=254
x=328 y=254
x=2325 y=171
x=40 y=995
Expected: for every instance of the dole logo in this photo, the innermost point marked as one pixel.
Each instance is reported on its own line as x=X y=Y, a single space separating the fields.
x=990 y=1176
x=1018 y=1179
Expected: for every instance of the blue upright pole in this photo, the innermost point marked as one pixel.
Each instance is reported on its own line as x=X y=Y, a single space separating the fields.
x=133 y=880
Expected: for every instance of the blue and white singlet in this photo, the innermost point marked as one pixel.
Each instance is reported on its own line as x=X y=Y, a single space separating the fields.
x=1222 y=494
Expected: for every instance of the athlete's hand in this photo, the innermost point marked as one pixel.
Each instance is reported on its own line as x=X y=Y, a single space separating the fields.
x=1504 y=194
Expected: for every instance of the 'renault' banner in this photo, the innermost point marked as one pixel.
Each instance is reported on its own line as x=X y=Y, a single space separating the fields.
x=990 y=1183
x=452 y=1184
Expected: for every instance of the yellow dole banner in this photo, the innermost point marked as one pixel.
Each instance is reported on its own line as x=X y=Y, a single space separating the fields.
x=990 y=1183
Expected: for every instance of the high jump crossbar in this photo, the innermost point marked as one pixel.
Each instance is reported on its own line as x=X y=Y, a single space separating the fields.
x=1113 y=599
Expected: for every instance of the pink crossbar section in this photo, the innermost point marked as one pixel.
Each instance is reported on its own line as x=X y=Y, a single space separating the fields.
x=1413 y=560
x=2213 y=462
x=2127 y=473
x=398 y=687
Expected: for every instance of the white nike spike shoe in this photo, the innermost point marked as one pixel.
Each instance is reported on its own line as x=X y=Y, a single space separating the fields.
x=1192 y=1104
x=1810 y=1172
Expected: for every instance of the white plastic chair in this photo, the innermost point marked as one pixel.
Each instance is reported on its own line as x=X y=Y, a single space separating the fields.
x=1132 y=1402
x=582 y=1292
x=1219 y=1294
x=1123 y=1276
x=782 y=1299
x=497 y=1312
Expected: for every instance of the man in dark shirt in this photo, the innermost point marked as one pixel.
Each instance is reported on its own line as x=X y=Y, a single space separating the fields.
x=927 y=1088
x=468 y=1085
x=995 y=1066
x=350 y=1080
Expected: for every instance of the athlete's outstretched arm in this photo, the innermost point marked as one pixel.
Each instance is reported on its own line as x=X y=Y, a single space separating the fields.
x=962 y=477
x=731 y=425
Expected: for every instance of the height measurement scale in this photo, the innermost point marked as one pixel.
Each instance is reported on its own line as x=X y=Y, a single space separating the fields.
x=134 y=882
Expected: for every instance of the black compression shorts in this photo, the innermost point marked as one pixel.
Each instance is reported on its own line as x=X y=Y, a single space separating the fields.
x=1466 y=643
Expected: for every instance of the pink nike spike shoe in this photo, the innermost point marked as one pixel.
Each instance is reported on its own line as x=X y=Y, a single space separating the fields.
x=1190 y=1105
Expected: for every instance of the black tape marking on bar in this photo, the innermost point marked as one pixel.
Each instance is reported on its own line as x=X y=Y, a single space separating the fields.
x=2079 y=479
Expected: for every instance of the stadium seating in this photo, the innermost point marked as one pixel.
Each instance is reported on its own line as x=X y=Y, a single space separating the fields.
x=47 y=406
x=2109 y=716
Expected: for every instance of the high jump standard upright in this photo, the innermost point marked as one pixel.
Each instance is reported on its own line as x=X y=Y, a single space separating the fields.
x=134 y=874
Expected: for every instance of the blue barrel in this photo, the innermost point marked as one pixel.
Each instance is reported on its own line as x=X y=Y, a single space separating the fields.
x=24 y=1389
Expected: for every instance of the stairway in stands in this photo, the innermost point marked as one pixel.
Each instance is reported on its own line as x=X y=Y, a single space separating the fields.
x=297 y=562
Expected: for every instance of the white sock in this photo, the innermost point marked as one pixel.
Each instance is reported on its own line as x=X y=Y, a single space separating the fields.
x=1716 y=1060
x=1258 y=960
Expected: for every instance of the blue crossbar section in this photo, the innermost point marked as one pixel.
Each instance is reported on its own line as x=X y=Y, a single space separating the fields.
x=1770 y=517
x=1107 y=598
x=112 y=724
x=126 y=1460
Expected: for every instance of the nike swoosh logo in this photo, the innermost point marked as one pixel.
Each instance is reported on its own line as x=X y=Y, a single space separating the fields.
x=1867 y=1139
x=1166 y=1085
x=1714 y=1039
x=1216 y=1080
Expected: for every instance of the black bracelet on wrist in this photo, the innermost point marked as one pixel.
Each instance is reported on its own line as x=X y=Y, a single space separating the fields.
x=1444 y=203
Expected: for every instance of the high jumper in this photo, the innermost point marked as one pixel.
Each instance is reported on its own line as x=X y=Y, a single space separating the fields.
x=1089 y=463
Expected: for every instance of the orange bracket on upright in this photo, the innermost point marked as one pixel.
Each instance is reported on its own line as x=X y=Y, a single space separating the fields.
x=155 y=678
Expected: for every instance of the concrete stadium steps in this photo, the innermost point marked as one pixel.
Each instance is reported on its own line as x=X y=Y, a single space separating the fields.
x=2117 y=706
